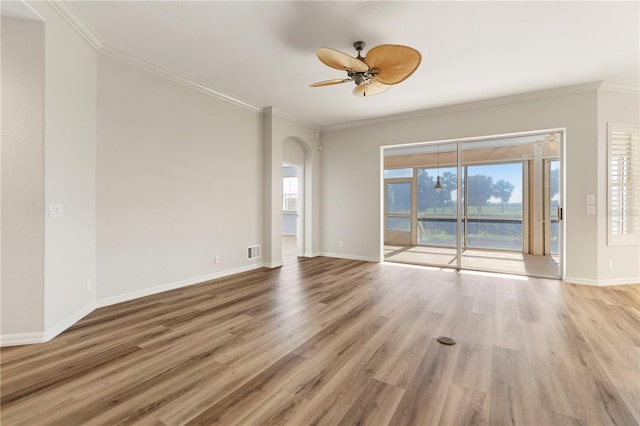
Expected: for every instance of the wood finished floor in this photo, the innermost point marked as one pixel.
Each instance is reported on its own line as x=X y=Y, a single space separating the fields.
x=329 y=341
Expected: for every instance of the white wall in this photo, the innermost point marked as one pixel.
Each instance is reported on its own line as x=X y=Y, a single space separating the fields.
x=289 y=224
x=22 y=294
x=351 y=179
x=614 y=107
x=179 y=181
x=60 y=92
x=292 y=152
x=69 y=163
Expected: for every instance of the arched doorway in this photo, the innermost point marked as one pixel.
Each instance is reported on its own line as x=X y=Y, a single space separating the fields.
x=281 y=131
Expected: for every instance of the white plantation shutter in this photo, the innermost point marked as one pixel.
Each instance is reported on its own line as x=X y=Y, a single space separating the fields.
x=624 y=184
x=291 y=203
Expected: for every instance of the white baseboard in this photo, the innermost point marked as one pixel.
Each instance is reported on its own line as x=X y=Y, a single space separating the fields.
x=172 y=286
x=272 y=265
x=68 y=322
x=350 y=257
x=582 y=281
x=602 y=282
x=619 y=281
x=45 y=336
x=310 y=254
x=22 y=339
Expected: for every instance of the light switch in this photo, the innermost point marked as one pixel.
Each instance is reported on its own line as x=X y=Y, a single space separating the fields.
x=56 y=210
x=591 y=210
x=591 y=199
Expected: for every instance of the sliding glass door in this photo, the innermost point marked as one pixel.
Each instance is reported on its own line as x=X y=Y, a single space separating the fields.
x=491 y=204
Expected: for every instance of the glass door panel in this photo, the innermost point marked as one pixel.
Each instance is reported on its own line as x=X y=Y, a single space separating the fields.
x=437 y=209
x=552 y=198
x=495 y=208
x=437 y=216
x=494 y=213
x=398 y=195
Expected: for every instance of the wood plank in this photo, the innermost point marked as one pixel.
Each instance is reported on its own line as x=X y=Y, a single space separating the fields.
x=512 y=389
x=277 y=410
x=375 y=406
x=251 y=394
x=465 y=406
x=424 y=398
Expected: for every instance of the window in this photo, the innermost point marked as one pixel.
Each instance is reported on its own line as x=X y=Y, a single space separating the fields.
x=290 y=194
x=624 y=184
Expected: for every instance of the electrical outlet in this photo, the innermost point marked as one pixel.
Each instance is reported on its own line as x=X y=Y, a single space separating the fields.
x=611 y=264
x=56 y=210
x=88 y=285
x=591 y=210
x=217 y=259
x=234 y=257
x=340 y=244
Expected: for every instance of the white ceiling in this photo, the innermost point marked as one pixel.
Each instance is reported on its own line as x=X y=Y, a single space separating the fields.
x=18 y=9
x=263 y=53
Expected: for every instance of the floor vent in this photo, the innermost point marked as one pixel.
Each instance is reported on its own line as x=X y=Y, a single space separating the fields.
x=253 y=252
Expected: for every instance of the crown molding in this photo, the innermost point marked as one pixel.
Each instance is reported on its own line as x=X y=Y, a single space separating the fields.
x=621 y=88
x=170 y=75
x=270 y=110
x=73 y=18
x=484 y=103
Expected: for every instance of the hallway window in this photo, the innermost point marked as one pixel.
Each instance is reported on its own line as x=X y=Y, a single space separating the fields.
x=290 y=194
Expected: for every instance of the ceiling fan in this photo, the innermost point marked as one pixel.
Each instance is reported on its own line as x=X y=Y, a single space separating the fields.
x=384 y=66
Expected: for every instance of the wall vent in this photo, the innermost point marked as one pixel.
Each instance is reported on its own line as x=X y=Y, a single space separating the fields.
x=253 y=252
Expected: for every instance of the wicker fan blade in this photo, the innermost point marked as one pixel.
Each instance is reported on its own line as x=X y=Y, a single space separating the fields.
x=373 y=88
x=341 y=61
x=396 y=63
x=330 y=82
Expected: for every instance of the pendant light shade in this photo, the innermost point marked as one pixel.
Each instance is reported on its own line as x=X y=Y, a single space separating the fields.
x=438 y=186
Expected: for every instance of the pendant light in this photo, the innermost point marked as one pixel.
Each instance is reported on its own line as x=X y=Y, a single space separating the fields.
x=438 y=186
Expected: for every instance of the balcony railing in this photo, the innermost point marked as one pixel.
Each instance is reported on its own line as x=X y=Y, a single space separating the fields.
x=484 y=232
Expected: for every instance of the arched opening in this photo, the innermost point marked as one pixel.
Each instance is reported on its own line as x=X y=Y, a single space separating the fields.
x=280 y=133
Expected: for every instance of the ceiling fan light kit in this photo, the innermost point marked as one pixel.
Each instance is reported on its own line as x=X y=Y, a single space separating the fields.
x=384 y=66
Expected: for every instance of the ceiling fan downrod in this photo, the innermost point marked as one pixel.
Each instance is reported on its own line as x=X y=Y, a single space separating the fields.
x=360 y=78
x=359 y=45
